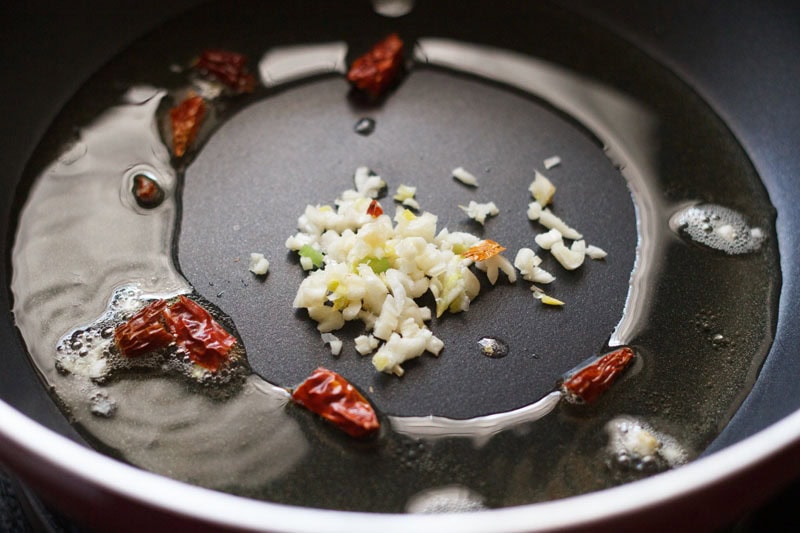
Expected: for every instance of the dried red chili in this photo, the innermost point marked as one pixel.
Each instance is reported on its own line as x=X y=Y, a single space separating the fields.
x=587 y=383
x=227 y=67
x=197 y=334
x=375 y=210
x=184 y=323
x=147 y=192
x=484 y=250
x=377 y=70
x=144 y=332
x=330 y=396
x=186 y=118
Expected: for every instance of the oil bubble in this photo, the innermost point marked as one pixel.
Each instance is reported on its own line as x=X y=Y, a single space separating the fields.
x=635 y=445
x=146 y=190
x=101 y=405
x=407 y=453
x=717 y=227
x=493 y=347
x=143 y=188
x=364 y=126
x=449 y=499
x=393 y=8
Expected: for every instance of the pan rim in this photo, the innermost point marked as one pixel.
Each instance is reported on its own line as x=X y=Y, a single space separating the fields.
x=759 y=447
x=38 y=449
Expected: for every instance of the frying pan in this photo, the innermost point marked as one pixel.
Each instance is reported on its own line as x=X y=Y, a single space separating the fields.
x=84 y=477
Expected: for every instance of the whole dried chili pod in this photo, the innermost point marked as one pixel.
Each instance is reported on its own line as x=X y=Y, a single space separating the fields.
x=229 y=68
x=185 y=323
x=332 y=397
x=144 y=332
x=197 y=334
x=185 y=119
x=377 y=70
x=588 y=382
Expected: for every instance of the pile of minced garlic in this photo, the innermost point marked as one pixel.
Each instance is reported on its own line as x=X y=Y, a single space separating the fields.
x=365 y=265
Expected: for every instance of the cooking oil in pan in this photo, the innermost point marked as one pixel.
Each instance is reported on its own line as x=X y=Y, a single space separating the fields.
x=87 y=253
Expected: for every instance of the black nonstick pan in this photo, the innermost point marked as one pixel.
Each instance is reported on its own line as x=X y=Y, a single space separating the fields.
x=671 y=160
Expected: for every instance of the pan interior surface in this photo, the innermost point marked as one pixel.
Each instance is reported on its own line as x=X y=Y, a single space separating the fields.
x=700 y=337
x=301 y=147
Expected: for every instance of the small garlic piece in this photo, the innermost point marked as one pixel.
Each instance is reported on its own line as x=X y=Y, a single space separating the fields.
x=465 y=177
x=405 y=195
x=534 y=210
x=479 y=212
x=551 y=162
x=527 y=262
x=258 y=264
x=493 y=265
x=551 y=221
x=367 y=183
x=540 y=295
x=366 y=344
x=595 y=252
x=542 y=189
x=334 y=342
x=549 y=300
x=548 y=239
x=570 y=258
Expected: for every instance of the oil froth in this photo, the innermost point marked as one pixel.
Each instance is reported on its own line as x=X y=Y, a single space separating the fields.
x=450 y=499
x=635 y=445
x=393 y=8
x=717 y=227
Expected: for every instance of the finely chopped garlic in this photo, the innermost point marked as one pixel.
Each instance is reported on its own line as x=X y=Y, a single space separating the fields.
x=405 y=195
x=465 y=177
x=542 y=189
x=527 y=262
x=333 y=341
x=372 y=268
x=365 y=265
x=258 y=264
x=479 y=211
x=552 y=162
